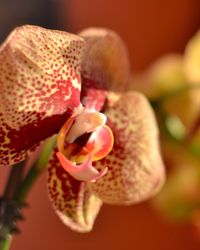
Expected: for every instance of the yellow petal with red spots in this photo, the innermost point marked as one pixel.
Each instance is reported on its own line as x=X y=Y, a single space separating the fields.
x=135 y=168
x=76 y=206
x=39 y=87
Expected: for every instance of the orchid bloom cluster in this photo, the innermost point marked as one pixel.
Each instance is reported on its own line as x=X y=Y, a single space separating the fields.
x=76 y=87
x=180 y=130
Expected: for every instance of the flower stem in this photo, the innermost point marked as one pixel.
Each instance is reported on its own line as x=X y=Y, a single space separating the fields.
x=7 y=207
x=26 y=185
x=16 y=192
x=35 y=171
x=162 y=116
x=14 y=180
x=5 y=243
x=193 y=130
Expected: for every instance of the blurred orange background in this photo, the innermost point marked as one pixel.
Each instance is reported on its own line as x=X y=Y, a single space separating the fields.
x=149 y=28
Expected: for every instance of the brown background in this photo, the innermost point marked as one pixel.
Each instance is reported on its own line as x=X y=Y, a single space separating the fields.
x=150 y=28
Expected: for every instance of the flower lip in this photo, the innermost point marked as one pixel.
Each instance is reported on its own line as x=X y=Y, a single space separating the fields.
x=82 y=172
x=82 y=139
x=85 y=121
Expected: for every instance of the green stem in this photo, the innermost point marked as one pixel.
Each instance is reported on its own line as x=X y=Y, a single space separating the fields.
x=14 y=180
x=185 y=141
x=193 y=129
x=35 y=171
x=12 y=185
x=157 y=105
x=17 y=190
x=26 y=185
x=5 y=243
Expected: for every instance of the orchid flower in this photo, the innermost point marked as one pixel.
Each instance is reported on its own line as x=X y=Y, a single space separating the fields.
x=179 y=198
x=53 y=82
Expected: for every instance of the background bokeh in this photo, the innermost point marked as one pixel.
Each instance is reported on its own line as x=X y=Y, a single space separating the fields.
x=150 y=29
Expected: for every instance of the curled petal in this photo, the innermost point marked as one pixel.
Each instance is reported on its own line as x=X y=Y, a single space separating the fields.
x=39 y=87
x=82 y=172
x=81 y=122
x=76 y=206
x=105 y=65
x=103 y=142
x=82 y=134
x=99 y=145
x=135 y=168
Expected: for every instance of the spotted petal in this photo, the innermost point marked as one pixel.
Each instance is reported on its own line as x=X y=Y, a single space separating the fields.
x=39 y=87
x=135 y=168
x=105 y=65
x=74 y=203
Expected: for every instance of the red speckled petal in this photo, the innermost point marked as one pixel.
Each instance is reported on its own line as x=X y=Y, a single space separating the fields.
x=74 y=203
x=39 y=87
x=135 y=168
x=105 y=65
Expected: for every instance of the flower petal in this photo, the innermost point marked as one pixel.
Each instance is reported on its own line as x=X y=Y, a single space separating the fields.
x=74 y=203
x=81 y=172
x=179 y=198
x=39 y=87
x=192 y=59
x=105 y=66
x=135 y=168
x=192 y=69
x=164 y=77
